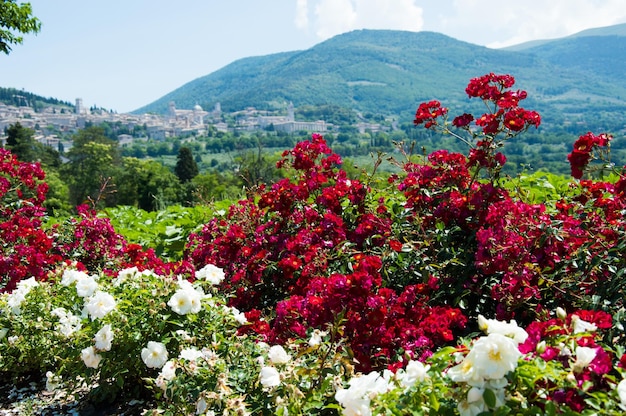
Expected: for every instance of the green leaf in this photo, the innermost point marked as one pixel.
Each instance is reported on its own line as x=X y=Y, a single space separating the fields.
x=550 y=408
x=489 y=397
x=434 y=402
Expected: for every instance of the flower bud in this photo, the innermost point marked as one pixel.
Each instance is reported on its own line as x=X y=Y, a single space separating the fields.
x=541 y=347
x=560 y=313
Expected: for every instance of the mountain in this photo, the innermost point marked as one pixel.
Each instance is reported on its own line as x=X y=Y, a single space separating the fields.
x=391 y=72
x=615 y=30
x=596 y=52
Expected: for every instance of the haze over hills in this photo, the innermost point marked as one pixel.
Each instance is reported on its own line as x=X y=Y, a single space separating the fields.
x=390 y=72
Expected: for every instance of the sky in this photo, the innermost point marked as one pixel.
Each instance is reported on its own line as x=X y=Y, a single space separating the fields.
x=124 y=54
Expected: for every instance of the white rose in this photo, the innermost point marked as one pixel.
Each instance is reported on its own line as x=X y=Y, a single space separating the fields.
x=186 y=301
x=90 y=358
x=104 y=338
x=85 y=285
x=211 y=273
x=100 y=304
x=154 y=355
x=270 y=377
x=278 y=355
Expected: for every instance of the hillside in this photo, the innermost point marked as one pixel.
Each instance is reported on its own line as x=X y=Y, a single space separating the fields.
x=15 y=97
x=615 y=30
x=390 y=72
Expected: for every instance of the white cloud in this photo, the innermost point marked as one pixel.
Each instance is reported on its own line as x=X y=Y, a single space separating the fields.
x=302 y=14
x=332 y=17
x=495 y=23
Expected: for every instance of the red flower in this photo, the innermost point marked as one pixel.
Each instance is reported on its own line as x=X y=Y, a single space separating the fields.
x=462 y=120
x=489 y=122
x=395 y=245
x=427 y=113
x=581 y=155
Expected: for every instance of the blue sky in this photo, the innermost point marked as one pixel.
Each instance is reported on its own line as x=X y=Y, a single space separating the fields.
x=123 y=54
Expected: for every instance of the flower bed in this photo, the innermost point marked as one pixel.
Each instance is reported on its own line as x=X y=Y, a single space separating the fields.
x=324 y=294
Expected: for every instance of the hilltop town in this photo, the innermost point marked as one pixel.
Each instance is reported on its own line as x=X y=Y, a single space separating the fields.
x=54 y=125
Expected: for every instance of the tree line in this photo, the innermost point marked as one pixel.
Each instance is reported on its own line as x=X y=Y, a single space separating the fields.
x=95 y=172
x=153 y=175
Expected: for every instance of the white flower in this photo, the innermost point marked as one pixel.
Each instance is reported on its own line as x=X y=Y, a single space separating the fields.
x=85 y=285
x=356 y=399
x=209 y=355
x=582 y=326
x=211 y=273
x=490 y=358
x=511 y=330
x=70 y=276
x=584 y=357
x=278 y=355
x=104 y=338
x=13 y=339
x=27 y=284
x=190 y=354
x=184 y=335
x=68 y=322
x=497 y=384
x=168 y=372
x=621 y=392
x=90 y=358
x=415 y=371
x=467 y=372
x=475 y=394
x=186 y=301
x=100 y=304
x=184 y=284
x=239 y=316
x=53 y=381
x=154 y=355
x=269 y=377
x=466 y=408
x=15 y=298
x=495 y=355
x=125 y=275
x=14 y=301
x=560 y=313
x=316 y=338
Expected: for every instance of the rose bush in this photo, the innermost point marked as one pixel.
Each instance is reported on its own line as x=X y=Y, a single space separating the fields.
x=324 y=294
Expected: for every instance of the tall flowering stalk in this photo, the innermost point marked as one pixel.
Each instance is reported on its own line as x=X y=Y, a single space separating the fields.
x=503 y=120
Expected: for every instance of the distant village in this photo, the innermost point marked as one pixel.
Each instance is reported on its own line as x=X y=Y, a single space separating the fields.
x=52 y=126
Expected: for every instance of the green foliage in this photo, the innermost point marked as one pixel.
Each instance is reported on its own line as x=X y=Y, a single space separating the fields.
x=186 y=168
x=58 y=196
x=539 y=187
x=17 y=98
x=146 y=184
x=166 y=231
x=88 y=171
x=21 y=142
x=15 y=20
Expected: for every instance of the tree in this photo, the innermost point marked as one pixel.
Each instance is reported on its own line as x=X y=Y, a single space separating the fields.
x=93 y=161
x=88 y=172
x=15 y=19
x=146 y=184
x=21 y=142
x=186 y=168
